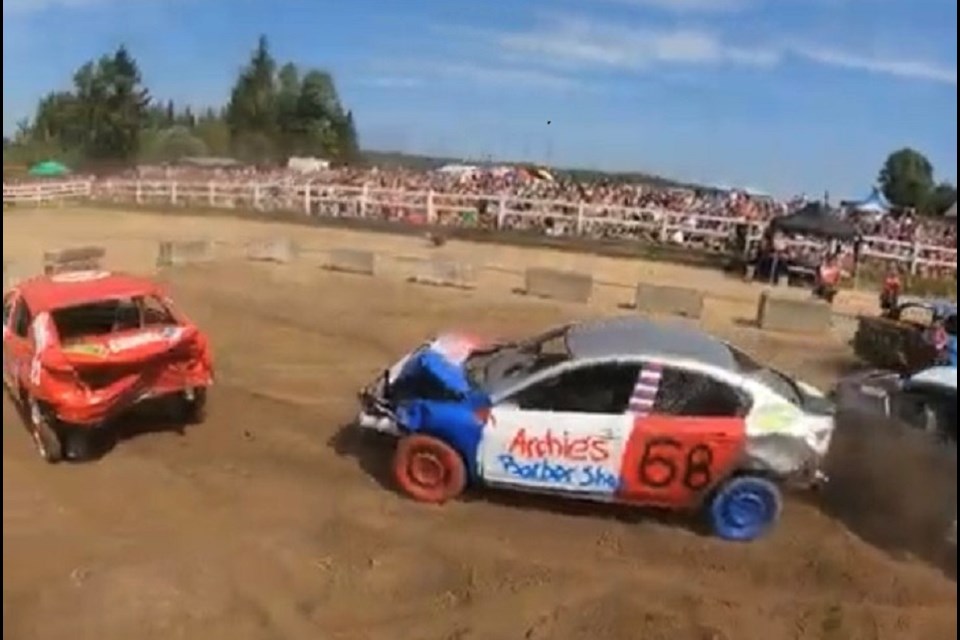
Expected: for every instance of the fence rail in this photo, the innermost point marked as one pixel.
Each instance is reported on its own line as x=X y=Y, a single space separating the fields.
x=489 y=211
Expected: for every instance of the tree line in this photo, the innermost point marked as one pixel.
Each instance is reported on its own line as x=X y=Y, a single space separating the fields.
x=109 y=117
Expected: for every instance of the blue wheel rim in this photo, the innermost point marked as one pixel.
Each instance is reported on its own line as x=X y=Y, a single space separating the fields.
x=745 y=509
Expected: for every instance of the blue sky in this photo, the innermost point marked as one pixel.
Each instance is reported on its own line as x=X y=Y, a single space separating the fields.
x=783 y=95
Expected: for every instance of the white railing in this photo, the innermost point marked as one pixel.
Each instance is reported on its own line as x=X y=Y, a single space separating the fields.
x=489 y=211
x=36 y=192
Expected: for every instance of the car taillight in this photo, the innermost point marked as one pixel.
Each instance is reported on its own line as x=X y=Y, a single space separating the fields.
x=482 y=415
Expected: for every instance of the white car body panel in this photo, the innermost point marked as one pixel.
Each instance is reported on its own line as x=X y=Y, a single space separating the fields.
x=779 y=434
x=573 y=452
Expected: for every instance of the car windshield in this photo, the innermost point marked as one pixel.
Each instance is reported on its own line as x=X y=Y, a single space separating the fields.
x=779 y=382
x=495 y=366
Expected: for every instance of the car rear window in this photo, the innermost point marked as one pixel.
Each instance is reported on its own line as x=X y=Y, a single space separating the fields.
x=109 y=316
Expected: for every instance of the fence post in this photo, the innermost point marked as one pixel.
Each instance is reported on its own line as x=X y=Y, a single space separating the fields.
x=173 y=192
x=364 y=195
x=306 y=198
x=501 y=211
x=256 y=196
x=138 y=193
x=431 y=211
x=580 y=219
x=211 y=194
x=914 y=257
x=663 y=233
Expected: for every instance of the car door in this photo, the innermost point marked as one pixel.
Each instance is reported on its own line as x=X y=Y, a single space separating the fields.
x=16 y=343
x=562 y=433
x=685 y=439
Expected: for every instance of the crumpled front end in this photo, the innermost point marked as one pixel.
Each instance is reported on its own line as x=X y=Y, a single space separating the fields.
x=432 y=373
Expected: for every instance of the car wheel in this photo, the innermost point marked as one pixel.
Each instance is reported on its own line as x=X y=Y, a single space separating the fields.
x=78 y=445
x=744 y=508
x=428 y=470
x=191 y=407
x=44 y=435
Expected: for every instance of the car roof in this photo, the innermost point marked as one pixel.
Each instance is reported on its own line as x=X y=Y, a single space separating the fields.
x=940 y=307
x=50 y=293
x=632 y=336
x=945 y=377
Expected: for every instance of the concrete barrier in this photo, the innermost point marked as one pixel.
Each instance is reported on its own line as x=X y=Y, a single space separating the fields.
x=351 y=261
x=282 y=250
x=568 y=286
x=678 y=301
x=73 y=259
x=792 y=315
x=445 y=272
x=175 y=253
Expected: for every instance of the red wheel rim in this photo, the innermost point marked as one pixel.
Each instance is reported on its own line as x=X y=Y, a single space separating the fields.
x=426 y=469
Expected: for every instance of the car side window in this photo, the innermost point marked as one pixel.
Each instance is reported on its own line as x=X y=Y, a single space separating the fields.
x=155 y=312
x=694 y=394
x=604 y=388
x=21 y=320
x=7 y=308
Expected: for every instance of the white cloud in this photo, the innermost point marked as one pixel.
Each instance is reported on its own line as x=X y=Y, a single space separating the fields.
x=901 y=68
x=689 y=6
x=407 y=73
x=602 y=44
x=392 y=82
x=33 y=6
x=504 y=76
x=574 y=41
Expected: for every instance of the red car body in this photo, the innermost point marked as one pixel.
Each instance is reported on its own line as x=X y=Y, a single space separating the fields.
x=89 y=345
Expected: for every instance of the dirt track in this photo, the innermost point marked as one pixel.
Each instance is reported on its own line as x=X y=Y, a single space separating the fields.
x=272 y=521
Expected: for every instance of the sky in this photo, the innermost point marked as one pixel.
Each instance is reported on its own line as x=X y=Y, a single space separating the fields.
x=786 y=96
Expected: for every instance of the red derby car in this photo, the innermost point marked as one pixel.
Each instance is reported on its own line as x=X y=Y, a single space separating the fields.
x=80 y=348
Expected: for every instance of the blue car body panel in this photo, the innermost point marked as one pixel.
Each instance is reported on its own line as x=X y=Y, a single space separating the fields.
x=452 y=420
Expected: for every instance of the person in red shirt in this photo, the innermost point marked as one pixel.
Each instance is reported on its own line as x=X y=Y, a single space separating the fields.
x=828 y=279
x=890 y=293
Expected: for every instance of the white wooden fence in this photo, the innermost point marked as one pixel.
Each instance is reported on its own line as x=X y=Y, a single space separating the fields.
x=495 y=211
x=38 y=192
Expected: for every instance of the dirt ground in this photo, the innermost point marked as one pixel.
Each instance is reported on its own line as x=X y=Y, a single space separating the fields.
x=274 y=519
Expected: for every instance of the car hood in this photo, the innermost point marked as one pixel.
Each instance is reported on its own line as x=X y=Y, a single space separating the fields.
x=813 y=401
x=438 y=364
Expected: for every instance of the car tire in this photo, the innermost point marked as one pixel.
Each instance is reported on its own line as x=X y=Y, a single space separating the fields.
x=44 y=433
x=428 y=470
x=78 y=445
x=189 y=411
x=744 y=508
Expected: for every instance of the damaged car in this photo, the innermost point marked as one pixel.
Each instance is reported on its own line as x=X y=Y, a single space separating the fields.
x=81 y=348
x=620 y=410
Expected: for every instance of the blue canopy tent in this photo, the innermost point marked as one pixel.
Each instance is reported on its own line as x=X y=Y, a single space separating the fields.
x=874 y=203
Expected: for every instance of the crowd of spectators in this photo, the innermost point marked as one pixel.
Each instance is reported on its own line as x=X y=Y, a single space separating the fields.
x=604 y=207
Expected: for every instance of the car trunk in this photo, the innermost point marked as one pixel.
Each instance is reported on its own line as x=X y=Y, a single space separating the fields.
x=124 y=358
x=110 y=349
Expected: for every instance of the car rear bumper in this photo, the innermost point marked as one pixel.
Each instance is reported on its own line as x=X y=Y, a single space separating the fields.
x=95 y=411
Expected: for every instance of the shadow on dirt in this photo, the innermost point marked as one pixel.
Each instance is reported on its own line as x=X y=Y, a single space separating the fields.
x=374 y=453
x=894 y=486
x=146 y=418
